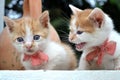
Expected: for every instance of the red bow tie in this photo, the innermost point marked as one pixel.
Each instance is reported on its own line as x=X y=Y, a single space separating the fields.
x=37 y=58
x=107 y=47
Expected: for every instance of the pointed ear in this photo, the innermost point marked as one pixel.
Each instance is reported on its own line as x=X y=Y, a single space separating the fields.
x=97 y=16
x=44 y=19
x=10 y=23
x=74 y=9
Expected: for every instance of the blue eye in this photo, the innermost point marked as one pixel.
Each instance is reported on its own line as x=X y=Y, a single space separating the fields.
x=79 y=32
x=20 y=39
x=36 y=37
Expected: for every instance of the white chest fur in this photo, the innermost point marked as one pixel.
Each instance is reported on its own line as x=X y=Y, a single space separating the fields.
x=58 y=58
x=109 y=62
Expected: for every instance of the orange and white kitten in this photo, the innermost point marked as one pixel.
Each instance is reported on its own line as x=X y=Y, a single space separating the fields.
x=91 y=30
x=31 y=35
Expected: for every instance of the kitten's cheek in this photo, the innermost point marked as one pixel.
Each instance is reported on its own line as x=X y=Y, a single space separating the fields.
x=20 y=48
x=72 y=40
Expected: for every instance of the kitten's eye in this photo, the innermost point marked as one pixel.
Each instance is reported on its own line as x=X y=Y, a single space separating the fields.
x=79 y=32
x=36 y=37
x=20 y=39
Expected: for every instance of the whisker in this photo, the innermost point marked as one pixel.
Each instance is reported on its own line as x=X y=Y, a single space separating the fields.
x=64 y=36
x=64 y=40
x=63 y=32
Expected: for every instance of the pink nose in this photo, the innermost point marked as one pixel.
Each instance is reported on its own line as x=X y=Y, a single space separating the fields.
x=28 y=46
x=71 y=39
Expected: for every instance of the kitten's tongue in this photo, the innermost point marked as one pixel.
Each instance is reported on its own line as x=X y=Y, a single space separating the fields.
x=80 y=45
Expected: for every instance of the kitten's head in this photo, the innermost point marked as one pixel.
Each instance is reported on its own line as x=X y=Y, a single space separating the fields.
x=29 y=35
x=89 y=27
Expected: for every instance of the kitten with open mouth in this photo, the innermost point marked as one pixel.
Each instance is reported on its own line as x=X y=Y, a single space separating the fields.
x=79 y=46
x=92 y=32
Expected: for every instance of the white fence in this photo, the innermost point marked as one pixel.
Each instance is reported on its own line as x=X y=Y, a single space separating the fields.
x=60 y=75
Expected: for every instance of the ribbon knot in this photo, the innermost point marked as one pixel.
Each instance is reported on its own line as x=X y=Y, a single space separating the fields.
x=107 y=47
x=36 y=59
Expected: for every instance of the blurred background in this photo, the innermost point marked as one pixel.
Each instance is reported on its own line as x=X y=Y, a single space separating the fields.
x=60 y=12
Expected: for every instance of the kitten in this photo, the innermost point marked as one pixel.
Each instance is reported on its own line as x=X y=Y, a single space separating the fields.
x=31 y=38
x=91 y=30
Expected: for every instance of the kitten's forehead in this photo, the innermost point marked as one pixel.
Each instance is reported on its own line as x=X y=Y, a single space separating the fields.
x=29 y=33
x=27 y=26
x=73 y=26
x=82 y=22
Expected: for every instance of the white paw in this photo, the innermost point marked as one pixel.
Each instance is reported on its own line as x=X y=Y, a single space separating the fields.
x=77 y=69
x=117 y=68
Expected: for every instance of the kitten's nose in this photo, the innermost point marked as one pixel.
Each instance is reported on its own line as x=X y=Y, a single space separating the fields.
x=71 y=39
x=28 y=45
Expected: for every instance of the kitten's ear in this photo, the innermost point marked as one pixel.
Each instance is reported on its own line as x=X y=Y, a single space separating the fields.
x=74 y=9
x=97 y=16
x=9 y=22
x=44 y=19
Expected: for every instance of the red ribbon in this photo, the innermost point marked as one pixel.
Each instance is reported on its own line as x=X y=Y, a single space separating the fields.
x=36 y=59
x=107 y=47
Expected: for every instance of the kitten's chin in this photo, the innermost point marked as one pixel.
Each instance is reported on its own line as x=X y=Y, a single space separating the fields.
x=29 y=52
x=80 y=46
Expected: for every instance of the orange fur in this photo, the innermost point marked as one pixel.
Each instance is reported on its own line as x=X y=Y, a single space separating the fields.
x=83 y=21
x=73 y=60
x=92 y=28
x=38 y=27
x=34 y=25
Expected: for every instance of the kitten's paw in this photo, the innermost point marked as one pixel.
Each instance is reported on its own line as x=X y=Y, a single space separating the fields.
x=117 y=68
x=83 y=68
x=76 y=69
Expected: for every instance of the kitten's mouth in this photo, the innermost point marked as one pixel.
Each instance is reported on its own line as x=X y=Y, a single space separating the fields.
x=80 y=45
x=30 y=50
